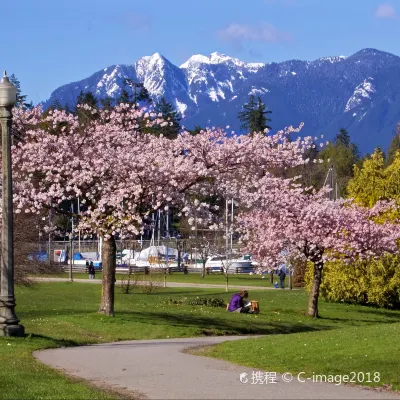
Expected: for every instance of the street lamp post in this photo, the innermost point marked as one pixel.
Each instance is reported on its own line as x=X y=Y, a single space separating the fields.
x=179 y=248
x=8 y=319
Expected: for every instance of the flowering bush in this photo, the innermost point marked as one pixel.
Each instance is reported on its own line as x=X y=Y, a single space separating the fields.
x=376 y=282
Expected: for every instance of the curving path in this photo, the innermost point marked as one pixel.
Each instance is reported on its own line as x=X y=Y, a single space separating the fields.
x=158 y=369
x=169 y=284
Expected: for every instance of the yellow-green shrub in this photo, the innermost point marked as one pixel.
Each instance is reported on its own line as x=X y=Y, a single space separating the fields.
x=371 y=283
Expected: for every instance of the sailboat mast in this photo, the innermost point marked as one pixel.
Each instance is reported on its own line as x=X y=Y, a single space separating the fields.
x=226 y=230
x=231 y=227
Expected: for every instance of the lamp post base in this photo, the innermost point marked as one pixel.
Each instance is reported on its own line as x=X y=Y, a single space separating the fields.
x=12 y=330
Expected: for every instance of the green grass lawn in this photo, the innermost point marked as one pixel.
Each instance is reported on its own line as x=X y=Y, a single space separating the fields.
x=212 y=279
x=346 y=351
x=62 y=314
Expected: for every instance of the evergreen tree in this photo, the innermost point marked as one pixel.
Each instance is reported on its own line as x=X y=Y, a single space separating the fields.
x=139 y=92
x=170 y=115
x=107 y=103
x=196 y=130
x=394 y=146
x=143 y=94
x=343 y=138
x=343 y=155
x=254 y=115
x=260 y=117
x=124 y=98
x=21 y=98
x=89 y=99
x=67 y=109
x=56 y=105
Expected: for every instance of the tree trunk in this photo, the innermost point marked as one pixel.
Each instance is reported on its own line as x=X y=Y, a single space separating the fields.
x=108 y=257
x=203 y=271
x=271 y=276
x=226 y=282
x=314 y=294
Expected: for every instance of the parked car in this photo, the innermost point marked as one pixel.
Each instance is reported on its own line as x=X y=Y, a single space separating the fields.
x=217 y=262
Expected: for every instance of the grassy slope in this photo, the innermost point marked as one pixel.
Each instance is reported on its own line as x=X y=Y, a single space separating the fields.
x=59 y=314
x=368 y=349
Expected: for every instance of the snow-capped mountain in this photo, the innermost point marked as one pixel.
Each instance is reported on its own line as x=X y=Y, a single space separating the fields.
x=360 y=93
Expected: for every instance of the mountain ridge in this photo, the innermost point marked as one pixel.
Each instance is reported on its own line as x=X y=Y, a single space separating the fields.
x=360 y=92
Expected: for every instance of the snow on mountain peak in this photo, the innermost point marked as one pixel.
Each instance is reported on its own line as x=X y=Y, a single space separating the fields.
x=333 y=59
x=213 y=88
x=108 y=82
x=155 y=59
x=217 y=58
x=361 y=93
x=196 y=59
x=151 y=71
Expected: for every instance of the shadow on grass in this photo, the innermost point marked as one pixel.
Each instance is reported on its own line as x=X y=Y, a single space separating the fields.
x=57 y=342
x=394 y=314
x=376 y=318
x=208 y=326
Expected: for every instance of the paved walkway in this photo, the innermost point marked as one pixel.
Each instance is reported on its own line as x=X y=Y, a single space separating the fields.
x=158 y=369
x=169 y=284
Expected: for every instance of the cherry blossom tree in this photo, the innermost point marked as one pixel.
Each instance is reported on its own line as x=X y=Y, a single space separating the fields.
x=121 y=174
x=290 y=220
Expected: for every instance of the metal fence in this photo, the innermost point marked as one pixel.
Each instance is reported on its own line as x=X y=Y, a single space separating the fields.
x=186 y=245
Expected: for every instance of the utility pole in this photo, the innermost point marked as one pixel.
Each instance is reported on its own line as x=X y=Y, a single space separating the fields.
x=71 y=261
x=158 y=228
x=49 y=252
x=195 y=238
x=331 y=193
x=226 y=242
x=231 y=227
x=330 y=181
x=79 y=232
x=121 y=241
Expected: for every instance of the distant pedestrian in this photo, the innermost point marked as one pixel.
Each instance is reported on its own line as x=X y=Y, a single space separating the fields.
x=282 y=276
x=92 y=271
x=87 y=268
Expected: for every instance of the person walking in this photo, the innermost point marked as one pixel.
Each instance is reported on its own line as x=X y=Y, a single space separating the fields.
x=282 y=276
x=92 y=270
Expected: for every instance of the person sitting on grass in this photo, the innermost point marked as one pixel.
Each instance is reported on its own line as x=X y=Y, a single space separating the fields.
x=236 y=303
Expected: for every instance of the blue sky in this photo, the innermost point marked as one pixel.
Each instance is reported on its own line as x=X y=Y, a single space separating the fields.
x=48 y=43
